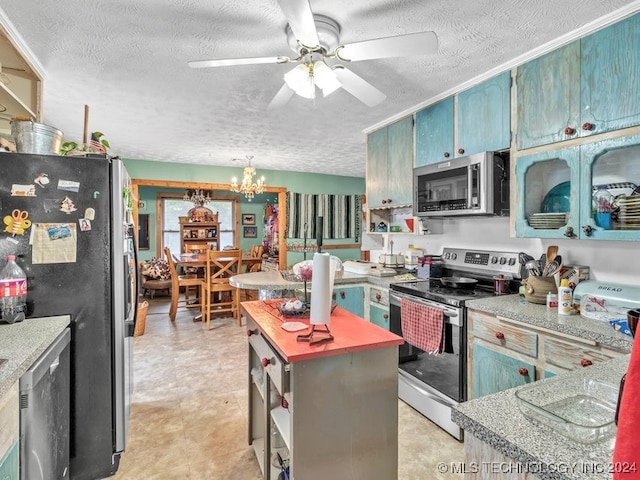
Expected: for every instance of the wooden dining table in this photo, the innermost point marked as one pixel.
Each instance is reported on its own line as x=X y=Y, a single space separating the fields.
x=199 y=260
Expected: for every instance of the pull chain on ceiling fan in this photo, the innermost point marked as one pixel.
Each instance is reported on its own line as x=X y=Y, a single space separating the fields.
x=315 y=39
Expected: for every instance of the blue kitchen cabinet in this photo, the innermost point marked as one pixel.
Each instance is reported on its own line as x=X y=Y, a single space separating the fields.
x=567 y=181
x=390 y=165
x=548 y=194
x=494 y=371
x=351 y=299
x=376 y=166
x=483 y=116
x=609 y=79
x=9 y=464
x=434 y=133
x=379 y=316
x=548 y=97
x=614 y=166
x=584 y=88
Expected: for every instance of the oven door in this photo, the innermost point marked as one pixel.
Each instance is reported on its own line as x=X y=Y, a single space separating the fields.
x=444 y=373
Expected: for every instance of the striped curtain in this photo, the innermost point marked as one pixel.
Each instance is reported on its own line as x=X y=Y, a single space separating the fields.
x=340 y=213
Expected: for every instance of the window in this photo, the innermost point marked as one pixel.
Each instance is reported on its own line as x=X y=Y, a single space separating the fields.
x=175 y=207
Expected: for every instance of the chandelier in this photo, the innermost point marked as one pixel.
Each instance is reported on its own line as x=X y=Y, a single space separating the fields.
x=197 y=196
x=249 y=187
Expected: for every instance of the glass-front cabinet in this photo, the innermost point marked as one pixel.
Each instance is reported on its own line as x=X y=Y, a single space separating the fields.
x=589 y=191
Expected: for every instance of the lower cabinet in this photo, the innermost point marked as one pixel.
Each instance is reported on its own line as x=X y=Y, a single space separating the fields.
x=350 y=298
x=379 y=306
x=9 y=434
x=505 y=353
x=494 y=371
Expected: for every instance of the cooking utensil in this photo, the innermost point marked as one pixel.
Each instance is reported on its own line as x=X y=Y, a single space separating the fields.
x=552 y=251
x=459 y=282
x=550 y=268
x=543 y=261
x=533 y=267
x=524 y=258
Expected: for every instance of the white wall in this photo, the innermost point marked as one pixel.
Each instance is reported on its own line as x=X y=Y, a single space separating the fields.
x=609 y=260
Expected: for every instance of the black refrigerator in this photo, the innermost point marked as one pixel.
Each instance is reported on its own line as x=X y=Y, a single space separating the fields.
x=68 y=220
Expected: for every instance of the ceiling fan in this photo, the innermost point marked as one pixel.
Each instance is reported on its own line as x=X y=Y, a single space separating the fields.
x=316 y=39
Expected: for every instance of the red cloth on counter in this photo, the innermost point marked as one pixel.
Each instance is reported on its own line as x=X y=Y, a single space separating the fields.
x=626 y=452
x=422 y=326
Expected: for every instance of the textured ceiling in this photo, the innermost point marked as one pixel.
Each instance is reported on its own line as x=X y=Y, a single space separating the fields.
x=127 y=60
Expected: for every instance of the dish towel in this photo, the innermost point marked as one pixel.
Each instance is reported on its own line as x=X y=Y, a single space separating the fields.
x=422 y=326
x=626 y=454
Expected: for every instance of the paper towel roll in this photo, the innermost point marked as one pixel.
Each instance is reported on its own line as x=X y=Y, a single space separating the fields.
x=321 y=289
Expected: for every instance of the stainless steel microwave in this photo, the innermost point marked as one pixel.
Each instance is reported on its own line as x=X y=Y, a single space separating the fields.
x=477 y=184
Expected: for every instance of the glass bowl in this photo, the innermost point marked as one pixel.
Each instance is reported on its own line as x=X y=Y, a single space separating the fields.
x=578 y=408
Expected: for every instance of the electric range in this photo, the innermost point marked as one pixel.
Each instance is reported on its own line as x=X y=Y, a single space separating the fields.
x=433 y=384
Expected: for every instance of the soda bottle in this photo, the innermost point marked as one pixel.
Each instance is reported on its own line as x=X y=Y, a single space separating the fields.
x=13 y=292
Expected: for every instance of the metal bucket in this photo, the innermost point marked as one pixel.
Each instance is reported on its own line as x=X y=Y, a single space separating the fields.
x=31 y=137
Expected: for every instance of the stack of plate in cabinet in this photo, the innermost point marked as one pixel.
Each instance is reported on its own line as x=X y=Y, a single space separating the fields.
x=629 y=213
x=548 y=220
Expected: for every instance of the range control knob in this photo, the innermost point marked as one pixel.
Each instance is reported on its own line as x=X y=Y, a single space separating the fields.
x=503 y=260
x=446 y=256
x=494 y=259
x=512 y=261
x=454 y=256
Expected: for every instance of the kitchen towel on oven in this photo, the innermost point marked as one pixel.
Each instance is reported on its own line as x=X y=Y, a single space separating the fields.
x=422 y=326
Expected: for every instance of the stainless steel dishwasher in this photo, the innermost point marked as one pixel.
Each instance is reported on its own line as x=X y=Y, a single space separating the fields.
x=44 y=414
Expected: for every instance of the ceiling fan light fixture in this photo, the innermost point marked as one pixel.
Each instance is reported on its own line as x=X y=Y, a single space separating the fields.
x=300 y=80
x=325 y=78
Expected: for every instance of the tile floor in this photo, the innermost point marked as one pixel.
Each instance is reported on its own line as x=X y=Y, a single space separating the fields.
x=189 y=411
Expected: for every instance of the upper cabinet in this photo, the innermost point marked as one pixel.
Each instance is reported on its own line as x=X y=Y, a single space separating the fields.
x=483 y=116
x=586 y=87
x=434 y=133
x=482 y=122
x=548 y=99
x=390 y=164
x=20 y=85
x=581 y=192
x=609 y=79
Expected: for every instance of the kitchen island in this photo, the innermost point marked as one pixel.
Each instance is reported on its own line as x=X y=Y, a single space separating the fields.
x=500 y=441
x=331 y=409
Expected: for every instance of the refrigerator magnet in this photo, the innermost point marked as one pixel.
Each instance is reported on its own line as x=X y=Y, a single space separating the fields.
x=42 y=180
x=23 y=190
x=68 y=185
x=62 y=230
x=17 y=223
x=85 y=224
x=67 y=206
x=90 y=214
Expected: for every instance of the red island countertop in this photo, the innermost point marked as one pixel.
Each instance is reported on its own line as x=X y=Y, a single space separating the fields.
x=351 y=333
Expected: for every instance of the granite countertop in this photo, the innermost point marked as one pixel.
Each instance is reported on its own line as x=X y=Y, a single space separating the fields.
x=496 y=420
x=351 y=333
x=272 y=280
x=22 y=344
x=509 y=306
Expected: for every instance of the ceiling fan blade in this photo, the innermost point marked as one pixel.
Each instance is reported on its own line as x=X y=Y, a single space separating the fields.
x=398 y=46
x=226 y=62
x=300 y=18
x=282 y=97
x=358 y=87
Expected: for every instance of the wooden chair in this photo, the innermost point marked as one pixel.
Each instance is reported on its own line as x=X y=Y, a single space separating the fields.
x=177 y=281
x=217 y=294
x=256 y=252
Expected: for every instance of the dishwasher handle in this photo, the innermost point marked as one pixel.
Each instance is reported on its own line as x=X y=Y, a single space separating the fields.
x=47 y=363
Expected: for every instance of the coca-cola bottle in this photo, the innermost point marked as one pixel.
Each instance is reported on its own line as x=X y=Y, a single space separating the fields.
x=13 y=292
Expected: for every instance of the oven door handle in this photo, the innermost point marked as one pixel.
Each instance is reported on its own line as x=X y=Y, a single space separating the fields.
x=449 y=313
